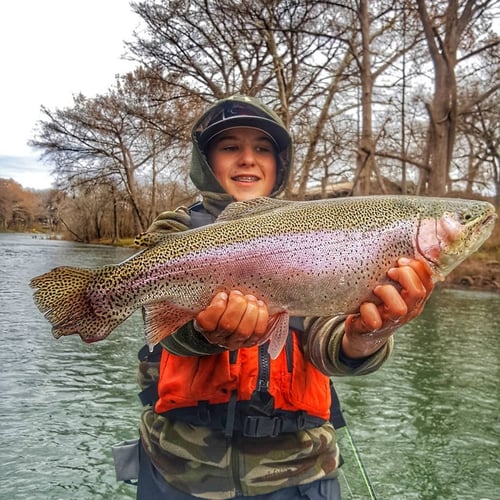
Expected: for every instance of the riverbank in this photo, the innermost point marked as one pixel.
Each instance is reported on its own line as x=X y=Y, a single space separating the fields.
x=476 y=273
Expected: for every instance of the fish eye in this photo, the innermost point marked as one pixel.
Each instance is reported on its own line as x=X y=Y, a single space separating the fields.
x=467 y=216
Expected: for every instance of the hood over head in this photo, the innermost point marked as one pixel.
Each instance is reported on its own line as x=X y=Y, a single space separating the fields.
x=237 y=111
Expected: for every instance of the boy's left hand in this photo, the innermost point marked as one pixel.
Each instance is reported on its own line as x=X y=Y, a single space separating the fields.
x=368 y=330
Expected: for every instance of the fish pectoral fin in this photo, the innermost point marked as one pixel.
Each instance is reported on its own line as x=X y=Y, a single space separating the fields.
x=162 y=319
x=277 y=333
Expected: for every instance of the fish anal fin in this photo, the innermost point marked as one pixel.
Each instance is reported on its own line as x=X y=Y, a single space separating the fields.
x=162 y=319
x=278 y=333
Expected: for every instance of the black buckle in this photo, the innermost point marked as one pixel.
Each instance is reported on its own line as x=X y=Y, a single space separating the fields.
x=301 y=420
x=152 y=356
x=261 y=426
x=149 y=395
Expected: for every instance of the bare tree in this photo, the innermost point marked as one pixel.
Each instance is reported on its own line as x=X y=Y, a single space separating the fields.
x=18 y=206
x=332 y=70
x=448 y=27
x=479 y=130
x=113 y=140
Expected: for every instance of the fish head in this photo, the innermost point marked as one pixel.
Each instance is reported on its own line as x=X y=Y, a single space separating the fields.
x=450 y=230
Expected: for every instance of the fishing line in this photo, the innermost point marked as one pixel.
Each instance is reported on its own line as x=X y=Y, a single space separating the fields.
x=339 y=422
x=361 y=466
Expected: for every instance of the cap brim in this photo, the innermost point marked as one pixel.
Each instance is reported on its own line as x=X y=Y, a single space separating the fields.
x=277 y=132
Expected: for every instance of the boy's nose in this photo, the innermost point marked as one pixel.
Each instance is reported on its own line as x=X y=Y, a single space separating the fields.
x=247 y=156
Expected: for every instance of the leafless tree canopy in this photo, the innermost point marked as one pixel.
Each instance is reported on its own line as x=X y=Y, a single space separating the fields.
x=380 y=96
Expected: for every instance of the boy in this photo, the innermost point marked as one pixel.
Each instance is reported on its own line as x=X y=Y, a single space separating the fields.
x=225 y=420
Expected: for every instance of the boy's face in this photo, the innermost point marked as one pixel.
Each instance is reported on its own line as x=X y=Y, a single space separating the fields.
x=244 y=162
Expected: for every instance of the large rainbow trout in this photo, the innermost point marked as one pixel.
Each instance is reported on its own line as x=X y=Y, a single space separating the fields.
x=316 y=258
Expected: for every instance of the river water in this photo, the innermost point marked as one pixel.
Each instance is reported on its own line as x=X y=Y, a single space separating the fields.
x=425 y=426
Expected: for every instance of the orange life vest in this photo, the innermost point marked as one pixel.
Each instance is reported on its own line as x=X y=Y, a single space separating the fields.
x=290 y=381
x=244 y=387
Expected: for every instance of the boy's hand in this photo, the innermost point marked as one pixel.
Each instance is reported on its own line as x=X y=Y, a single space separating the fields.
x=368 y=330
x=233 y=321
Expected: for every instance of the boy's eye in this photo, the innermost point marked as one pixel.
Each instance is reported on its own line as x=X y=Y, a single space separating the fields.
x=263 y=147
x=223 y=145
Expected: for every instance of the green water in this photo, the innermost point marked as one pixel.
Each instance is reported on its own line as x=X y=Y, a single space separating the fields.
x=426 y=425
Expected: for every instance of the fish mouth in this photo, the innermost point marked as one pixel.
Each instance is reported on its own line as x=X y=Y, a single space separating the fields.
x=490 y=219
x=484 y=230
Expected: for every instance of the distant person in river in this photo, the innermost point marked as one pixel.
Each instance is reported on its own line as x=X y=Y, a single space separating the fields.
x=222 y=419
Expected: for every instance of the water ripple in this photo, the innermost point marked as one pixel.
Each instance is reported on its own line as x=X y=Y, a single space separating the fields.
x=426 y=424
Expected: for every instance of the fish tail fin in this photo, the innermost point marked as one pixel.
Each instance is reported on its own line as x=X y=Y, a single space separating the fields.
x=62 y=296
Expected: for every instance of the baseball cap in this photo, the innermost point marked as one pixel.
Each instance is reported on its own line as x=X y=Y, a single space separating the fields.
x=232 y=113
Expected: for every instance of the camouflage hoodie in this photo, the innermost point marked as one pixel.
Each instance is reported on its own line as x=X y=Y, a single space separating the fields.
x=214 y=198
x=204 y=462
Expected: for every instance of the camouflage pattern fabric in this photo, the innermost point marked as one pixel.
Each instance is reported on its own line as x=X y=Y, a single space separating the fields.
x=148 y=373
x=206 y=464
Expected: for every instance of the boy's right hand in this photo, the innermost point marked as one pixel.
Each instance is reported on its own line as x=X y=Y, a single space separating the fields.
x=233 y=320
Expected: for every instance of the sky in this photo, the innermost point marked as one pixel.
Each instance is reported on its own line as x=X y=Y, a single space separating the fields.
x=51 y=50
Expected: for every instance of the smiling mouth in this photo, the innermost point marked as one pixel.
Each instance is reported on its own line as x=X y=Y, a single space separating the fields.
x=245 y=178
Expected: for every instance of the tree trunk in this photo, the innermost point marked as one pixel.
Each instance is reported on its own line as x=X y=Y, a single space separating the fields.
x=442 y=110
x=116 y=230
x=365 y=158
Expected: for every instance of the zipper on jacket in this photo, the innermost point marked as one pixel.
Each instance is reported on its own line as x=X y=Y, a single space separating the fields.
x=262 y=403
x=264 y=369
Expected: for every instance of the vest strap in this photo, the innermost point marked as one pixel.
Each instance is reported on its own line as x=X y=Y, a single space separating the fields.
x=231 y=415
x=233 y=418
x=262 y=426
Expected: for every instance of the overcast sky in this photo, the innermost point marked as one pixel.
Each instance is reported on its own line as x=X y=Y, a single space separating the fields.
x=49 y=51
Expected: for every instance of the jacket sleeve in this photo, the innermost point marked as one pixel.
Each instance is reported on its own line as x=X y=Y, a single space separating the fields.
x=322 y=346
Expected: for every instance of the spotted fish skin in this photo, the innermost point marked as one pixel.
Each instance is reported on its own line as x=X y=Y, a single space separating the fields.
x=316 y=258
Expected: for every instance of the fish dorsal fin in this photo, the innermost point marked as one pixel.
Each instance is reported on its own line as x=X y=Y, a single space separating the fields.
x=240 y=209
x=152 y=239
